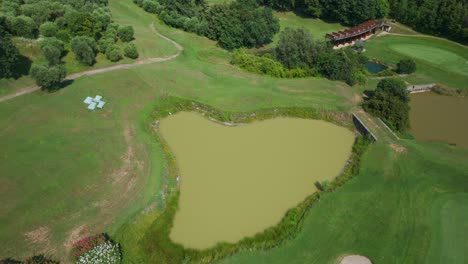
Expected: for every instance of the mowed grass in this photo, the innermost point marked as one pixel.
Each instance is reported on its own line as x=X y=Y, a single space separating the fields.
x=401 y=208
x=317 y=27
x=66 y=172
x=438 y=60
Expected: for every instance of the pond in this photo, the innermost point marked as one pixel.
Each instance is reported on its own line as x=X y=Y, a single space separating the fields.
x=373 y=67
x=239 y=180
x=439 y=117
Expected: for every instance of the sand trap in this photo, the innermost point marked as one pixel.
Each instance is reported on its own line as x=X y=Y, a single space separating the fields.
x=355 y=259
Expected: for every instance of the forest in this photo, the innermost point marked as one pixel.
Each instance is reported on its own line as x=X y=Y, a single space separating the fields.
x=447 y=18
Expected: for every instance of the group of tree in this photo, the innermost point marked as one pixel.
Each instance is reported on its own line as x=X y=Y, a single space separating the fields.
x=85 y=27
x=297 y=54
x=240 y=23
x=447 y=18
x=390 y=101
x=9 y=54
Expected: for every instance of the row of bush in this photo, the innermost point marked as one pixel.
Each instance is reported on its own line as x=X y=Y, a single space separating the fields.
x=297 y=54
x=266 y=64
x=157 y=244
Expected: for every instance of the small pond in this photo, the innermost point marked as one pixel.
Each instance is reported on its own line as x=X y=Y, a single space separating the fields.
x=239 y=180
x=373 y=67
x=439 y=117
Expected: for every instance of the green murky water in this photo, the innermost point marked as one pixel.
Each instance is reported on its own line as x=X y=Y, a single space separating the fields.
x=373 y=67
x=237 y=181
x=439 y=117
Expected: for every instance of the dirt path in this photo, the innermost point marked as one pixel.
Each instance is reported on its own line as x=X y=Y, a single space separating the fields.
x=107 y=69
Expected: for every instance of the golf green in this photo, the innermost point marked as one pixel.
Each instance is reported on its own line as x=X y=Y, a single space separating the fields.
x=436 y=56
x=239 y=180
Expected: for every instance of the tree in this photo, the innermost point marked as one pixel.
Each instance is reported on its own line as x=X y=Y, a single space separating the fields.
x=407 y=66
x=113 y=53
x=81 y=24
x=297 y=49
x=52 y=49
x=48 y=77
x=23 y=26
x=9 y=54
x=131 y=51
x=85 y=49
x=126 y=33
x=391 y=103
x=48 y=29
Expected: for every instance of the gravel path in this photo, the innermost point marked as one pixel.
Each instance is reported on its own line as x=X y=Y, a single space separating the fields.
x=107 y=69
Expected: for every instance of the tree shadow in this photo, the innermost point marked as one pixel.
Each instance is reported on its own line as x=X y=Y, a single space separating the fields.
x=60 y=86
x=368 y=94
x=22 y=67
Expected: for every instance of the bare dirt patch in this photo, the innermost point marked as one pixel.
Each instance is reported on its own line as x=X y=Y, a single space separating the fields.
x=74 y=235
x=39 y=235
x=398 y=148
x=355 y=259
x=124 y=170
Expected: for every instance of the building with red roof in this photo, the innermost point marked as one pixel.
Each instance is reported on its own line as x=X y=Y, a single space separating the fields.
x=363 y=31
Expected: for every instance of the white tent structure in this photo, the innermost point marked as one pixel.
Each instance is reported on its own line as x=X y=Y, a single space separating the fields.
x=94 y=102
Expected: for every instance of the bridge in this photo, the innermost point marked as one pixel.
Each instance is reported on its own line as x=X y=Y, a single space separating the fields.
x=420 y=88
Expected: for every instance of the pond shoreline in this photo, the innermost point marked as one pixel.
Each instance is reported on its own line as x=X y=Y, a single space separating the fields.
x=164 y=249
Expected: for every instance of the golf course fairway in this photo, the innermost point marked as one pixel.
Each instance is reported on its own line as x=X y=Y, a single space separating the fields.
x=239 y=180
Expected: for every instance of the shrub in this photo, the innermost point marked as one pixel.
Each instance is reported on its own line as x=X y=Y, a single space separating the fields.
x=107 y=252
x=113 y=53
x=151 y=6
x=105 y=43
x=48 y=29
x=81 y=246
x=40 y=259
x=406 y=66
x=131 y=51
x=126 y=33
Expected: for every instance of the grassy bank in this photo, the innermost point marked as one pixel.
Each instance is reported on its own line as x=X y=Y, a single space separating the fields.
x=391 y=212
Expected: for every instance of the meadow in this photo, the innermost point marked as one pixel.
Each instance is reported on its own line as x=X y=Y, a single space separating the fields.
x=66 y=172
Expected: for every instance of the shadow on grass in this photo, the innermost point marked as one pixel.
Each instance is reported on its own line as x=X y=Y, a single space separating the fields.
x=58 y=87
x=22 y=67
